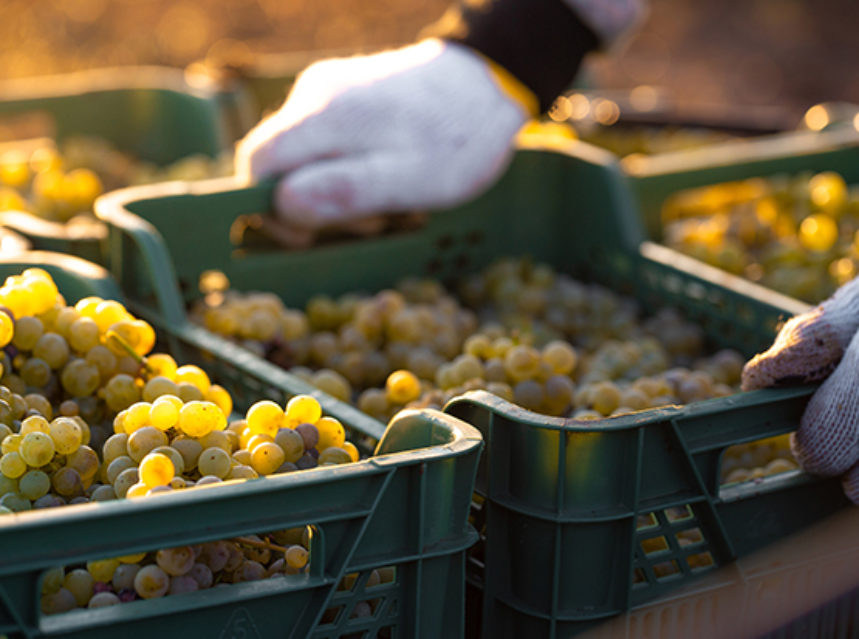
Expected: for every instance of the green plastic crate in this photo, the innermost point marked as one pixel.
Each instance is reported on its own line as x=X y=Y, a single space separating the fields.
x=571 y=210
x=406 y=508
x=153 y=113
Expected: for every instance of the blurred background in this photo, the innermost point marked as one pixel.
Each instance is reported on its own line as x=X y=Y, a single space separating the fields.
x=733 y=53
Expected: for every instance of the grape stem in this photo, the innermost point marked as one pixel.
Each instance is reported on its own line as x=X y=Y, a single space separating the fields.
x=259 y=544
x=113 y=335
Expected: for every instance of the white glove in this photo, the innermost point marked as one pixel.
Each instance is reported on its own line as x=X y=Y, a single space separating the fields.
x=808 y=348
x=424 y=126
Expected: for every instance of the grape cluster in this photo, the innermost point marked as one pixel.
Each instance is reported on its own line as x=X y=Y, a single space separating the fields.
x=754 y=460
x=796 y=234
x=62 y=183
x=520 y=330
x=70 y=373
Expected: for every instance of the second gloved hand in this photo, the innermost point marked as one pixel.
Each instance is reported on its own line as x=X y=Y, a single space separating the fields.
x=425 y=126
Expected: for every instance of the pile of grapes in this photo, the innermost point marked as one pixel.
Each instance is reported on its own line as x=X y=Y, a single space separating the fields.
x=519 y=330
x=61 y=183
x=795 y=234
x=88 y=413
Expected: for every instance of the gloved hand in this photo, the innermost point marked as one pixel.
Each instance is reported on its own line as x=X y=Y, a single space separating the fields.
x=424 y=126
x=822 y=343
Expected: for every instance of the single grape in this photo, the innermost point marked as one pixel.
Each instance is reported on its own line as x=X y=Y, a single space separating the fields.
x=309 y=434
x=267 y=458
x=401 y=387
x=302 y=409
x=334 y=455
x=143 y=441
x=156 y=469
x=123 y=576
x=151 y=582
x=125 y=480
x=79 y=582
x=214 y=461
x=265 y=417
x=36 y=449
x=66 y=434
x=176 y=561
x=291 y=443
x=199 y=418
x=190 y=450
x=34 y=484
x=52 y=579
x=52 y=348
x=120 y=392
x=102 y=599
x=102 y=569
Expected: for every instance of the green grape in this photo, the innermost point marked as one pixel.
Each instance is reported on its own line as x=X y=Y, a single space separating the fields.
x=214 y=461
x=103 y=599
x=56 y=602
x=67 y=482
x=7 y=485
x=12 y=465
x=333 y=383
x=39 y=403
x=103 y=359
x=85 y=461
x=528 y=394
x=80 y=583
x=115 y=446
x=52 y=348
x=190 y=449
x=468 y=367
x=28 y=330
x=66 y=434
x=158 y=386
x=120 y=392
x=151 y=582
x=35 y=372
x=557 y=394
x=123 y=576
x=52 y=579
x=83 y=334
x=80 y=378
x=36 y=449
x=334 y=455
x=16 y=502
x=176 y=561
x=156 y=470
x=125 y=480
x=188 y=392
x=373 y=401
x=142 y=441
x=103 y=493
x=560 y=356
x=291 y=443
x=117 y=465
x=242 y=471
x=521 y=362
x=5 y=419
x=217 y=439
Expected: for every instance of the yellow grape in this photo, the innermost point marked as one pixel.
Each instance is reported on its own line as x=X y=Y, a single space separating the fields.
x=267 y=458
x=164 y=412
x=35 y=424
x=334 y=455
x=193 y=375
x=199 y=418
x=402 y=386
x=12 y=465
x=265 y=417
x=162 y=364
x=350 y=448
x=36 y=449
x=7 y=329
x=156 y=469
x=302 y=409
x=331 y=433
x=66 y=434
x=219 y=396
x=214 y=461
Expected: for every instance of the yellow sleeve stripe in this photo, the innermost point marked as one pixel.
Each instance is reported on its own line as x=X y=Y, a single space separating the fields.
x=513 y=88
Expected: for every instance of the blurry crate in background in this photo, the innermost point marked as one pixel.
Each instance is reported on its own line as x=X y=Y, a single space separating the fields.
x=149 y=115
x=580 y=520
x=752 y=208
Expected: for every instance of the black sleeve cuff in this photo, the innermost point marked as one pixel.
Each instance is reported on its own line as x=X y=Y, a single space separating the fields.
x=541 y=42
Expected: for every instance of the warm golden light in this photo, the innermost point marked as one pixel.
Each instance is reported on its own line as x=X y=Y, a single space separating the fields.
x=816 y=118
